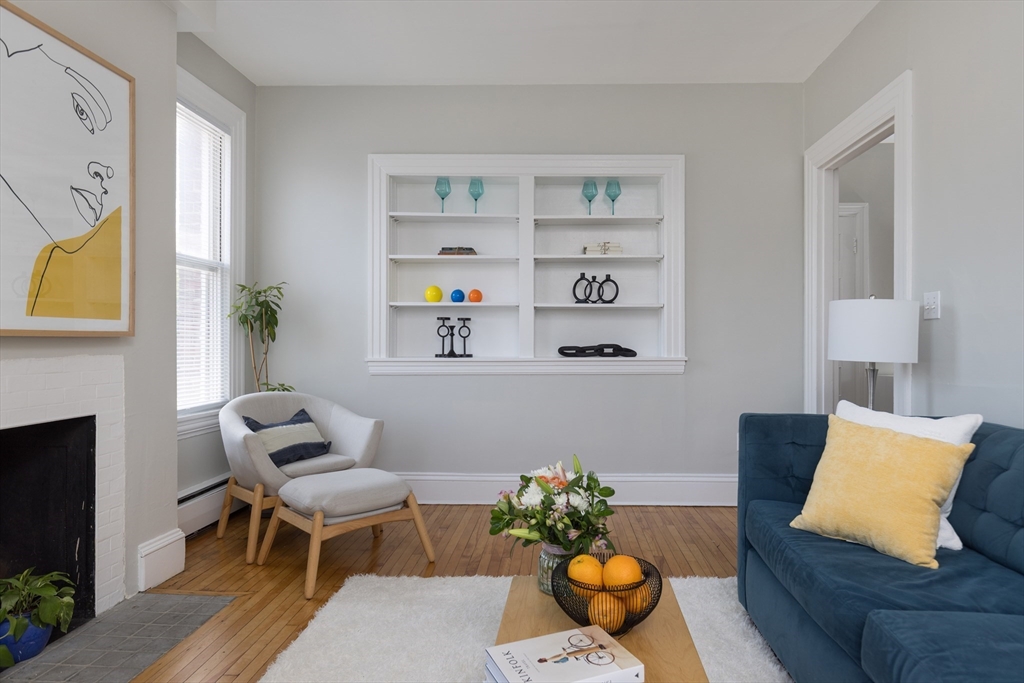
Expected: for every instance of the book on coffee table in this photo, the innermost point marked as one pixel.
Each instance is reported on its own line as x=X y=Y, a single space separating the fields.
x=579 y=655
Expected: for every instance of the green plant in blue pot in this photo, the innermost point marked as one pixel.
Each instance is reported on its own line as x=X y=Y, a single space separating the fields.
x=30 y=606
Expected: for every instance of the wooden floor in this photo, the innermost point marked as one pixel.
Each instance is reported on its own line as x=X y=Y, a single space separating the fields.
x=239 y=643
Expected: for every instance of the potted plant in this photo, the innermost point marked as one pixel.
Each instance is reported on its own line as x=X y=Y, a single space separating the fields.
x=565 y=512
x=256 y=310
x=30 y=606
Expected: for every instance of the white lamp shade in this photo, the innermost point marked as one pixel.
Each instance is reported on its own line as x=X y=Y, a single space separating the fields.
x=873 y=330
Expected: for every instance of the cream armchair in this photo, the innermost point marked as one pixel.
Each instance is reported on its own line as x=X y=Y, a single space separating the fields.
x=255 y=478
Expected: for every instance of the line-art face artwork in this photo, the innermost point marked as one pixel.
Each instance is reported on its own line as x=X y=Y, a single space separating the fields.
x=56 y=186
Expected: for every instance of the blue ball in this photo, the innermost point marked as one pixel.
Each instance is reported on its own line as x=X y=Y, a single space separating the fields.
x=458 y=296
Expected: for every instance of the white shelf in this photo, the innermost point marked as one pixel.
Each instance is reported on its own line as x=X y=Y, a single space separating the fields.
x=451 y=304
x=541 y=221
x=529 y=248
x=635 y=258
x=417 y=217
x=527 y=366
x=434 y=258
x=602 y=307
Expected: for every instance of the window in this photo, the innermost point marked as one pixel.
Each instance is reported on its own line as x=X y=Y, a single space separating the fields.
x=209 y=210
x=203 y=262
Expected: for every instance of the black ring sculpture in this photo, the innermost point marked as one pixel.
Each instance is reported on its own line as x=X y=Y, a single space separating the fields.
x=594 y=291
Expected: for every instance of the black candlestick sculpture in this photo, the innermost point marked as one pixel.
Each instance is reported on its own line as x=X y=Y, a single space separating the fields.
x=464 y=332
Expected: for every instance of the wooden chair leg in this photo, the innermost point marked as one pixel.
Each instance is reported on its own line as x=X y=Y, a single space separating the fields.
x=313 y=562
x=225 y=509
x=254 y=524
x=268 y=539
x=377 y=530
x=421 y=528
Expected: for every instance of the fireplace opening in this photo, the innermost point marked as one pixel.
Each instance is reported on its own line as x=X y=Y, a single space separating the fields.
x=48 y=505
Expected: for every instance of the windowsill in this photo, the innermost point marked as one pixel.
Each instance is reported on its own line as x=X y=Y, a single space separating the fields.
x=202 y=422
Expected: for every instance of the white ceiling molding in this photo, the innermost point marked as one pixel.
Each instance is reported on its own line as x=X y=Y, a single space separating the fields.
x=194 y=16
x=526 y=42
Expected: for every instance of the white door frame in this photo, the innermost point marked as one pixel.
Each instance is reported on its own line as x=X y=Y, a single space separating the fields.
x=887 y=112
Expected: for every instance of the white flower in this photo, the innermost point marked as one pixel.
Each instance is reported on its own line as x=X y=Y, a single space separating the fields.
x=532 y=496
x=561 y=501
x=578 y=502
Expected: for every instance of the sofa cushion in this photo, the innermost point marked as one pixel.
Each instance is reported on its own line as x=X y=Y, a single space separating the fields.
x=340 y=494
x=988 y=510
x=331 y=462
x=951 y=647
x=839 y=583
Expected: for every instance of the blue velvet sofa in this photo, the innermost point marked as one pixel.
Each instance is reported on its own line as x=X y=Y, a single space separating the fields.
x=838 y=611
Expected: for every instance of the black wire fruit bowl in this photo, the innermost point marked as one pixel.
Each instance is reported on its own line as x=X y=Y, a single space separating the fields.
x=617 y=609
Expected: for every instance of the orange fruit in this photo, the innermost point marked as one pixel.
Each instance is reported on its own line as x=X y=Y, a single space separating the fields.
x=607 y=611
x=621 y=570
x=585 y=569
x=637 y=599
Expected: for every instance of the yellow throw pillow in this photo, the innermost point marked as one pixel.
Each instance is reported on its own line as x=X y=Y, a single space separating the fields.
x=882 y=489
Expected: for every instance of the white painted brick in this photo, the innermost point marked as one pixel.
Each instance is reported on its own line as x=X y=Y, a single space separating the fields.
x=3 y=384
x=117 y=486
x=27 y=416
x=14 y=366
x=62 y=380
x=26 y=382
x=80 y=393
x=110 y=389
x=46 y=397
x=13 y=401
x=44 y=366
x=62 y=411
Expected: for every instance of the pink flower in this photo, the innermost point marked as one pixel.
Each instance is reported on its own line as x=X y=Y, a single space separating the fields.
x=573 y=534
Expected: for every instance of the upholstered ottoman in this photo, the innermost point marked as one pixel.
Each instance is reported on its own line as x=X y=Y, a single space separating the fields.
x=327 y=505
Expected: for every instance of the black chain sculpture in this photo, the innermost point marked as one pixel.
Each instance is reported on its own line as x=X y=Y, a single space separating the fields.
x=598 y=351
x=446 y=331
x=594 y=292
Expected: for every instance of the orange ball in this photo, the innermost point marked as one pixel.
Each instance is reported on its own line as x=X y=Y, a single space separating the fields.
x=475 y=295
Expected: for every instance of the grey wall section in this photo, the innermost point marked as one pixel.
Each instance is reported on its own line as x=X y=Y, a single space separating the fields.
x=744 y=241
x=968 y=165
x=201 y=458
x=139 y=38
x=869 y=178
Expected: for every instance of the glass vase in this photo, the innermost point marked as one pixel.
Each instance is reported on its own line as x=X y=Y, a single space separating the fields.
x=550 y=555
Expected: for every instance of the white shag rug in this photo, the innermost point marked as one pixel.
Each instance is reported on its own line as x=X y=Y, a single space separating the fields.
x=436 y=629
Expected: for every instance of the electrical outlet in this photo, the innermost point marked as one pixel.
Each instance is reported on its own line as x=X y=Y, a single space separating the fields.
x=932 y=306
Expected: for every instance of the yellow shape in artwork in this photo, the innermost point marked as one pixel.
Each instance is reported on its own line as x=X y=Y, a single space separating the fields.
x=80 y=277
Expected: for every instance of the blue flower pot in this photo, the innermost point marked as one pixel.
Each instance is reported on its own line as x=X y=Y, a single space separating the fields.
x=32 y=641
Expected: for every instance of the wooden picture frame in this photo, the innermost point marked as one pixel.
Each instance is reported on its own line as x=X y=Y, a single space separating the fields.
x=67 y=186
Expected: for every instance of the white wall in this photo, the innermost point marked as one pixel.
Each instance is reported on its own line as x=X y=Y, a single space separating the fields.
x=743 y=147
x=968 y=165
x=201 y=458
x=138 y=37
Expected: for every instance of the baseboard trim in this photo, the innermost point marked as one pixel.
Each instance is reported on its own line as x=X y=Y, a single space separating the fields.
x=630 y=489
x=161 y=558
x=204 y=510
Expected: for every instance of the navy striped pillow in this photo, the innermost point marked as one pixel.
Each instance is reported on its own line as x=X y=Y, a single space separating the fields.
x=292 y=440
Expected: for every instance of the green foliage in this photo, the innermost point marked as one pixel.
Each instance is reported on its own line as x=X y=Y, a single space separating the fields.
x=554 y=507
x=256 y=309
x=40 y=599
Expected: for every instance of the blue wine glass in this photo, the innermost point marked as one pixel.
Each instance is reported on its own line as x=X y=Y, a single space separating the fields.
x=589 y=193
x=443 y=188
x=612 y=190
x=476 y=190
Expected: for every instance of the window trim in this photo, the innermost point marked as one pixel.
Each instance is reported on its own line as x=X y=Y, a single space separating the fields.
x=214 y=107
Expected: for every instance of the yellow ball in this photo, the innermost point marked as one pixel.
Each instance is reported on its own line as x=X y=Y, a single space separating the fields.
x=433 y=294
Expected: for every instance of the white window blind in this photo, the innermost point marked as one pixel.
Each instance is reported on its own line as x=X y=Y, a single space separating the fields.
x=203 y=262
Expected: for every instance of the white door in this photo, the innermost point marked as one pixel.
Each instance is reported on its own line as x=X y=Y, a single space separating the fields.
x=850 y=281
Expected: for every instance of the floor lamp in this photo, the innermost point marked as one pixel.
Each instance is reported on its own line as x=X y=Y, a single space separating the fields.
x=873 y=331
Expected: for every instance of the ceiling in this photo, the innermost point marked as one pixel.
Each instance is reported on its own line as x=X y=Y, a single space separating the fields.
x=520 y=42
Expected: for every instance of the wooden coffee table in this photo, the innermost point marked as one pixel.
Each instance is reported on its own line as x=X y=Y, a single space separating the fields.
x=662 y=642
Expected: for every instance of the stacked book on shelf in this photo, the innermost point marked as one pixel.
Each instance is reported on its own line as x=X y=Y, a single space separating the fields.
x=581 y=654
x=602 y=248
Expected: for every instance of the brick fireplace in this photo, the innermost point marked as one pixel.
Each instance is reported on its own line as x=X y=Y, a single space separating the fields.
x=36 y=391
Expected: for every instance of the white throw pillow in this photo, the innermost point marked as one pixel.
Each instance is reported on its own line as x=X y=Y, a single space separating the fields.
x=955 y=430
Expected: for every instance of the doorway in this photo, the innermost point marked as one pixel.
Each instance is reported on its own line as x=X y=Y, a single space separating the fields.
x=887 y=115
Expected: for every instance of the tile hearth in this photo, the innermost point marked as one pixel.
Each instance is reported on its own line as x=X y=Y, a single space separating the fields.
x=122 y=642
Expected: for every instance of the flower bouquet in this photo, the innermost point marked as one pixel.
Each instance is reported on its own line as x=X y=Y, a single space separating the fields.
x=565 y=512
